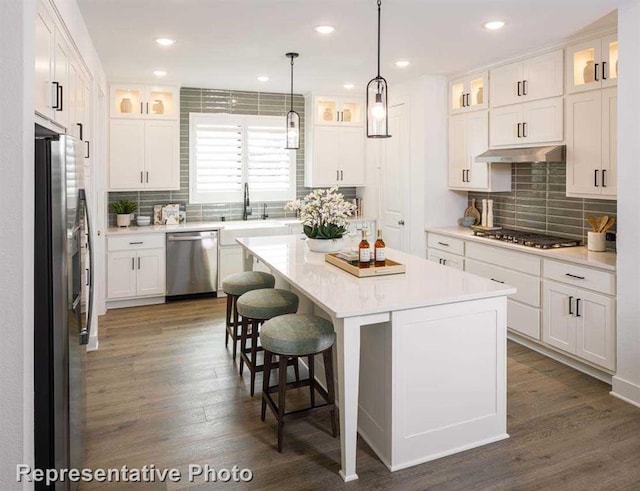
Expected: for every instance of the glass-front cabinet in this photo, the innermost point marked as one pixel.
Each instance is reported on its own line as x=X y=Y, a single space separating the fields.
x=592 y=64
x=329 y=110
x=469 y=94
x=144 y=101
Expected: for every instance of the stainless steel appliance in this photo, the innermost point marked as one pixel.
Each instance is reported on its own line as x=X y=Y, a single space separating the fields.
x=523 y=155
x=529 y=239
x=192 y=263
x=61 y=329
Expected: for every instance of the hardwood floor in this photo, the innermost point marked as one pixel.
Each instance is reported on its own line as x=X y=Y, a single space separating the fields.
x=163 y=390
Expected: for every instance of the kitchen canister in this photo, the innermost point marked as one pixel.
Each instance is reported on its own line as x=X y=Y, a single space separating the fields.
x=596 y=241
x=125 y=105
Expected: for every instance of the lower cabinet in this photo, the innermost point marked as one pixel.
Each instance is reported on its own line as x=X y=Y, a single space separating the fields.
x=135 y=266
x=446 y=258
x=580 y=322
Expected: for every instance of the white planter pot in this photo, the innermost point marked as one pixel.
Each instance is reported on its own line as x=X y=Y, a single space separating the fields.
x=123 y=220
x=596 y=241
x=325 y=245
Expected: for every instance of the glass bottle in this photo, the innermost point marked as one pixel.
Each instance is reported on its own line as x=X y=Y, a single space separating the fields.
x=364 y=251
x=379 y=248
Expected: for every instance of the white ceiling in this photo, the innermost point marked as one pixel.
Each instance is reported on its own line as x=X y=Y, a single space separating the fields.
x=226 y=44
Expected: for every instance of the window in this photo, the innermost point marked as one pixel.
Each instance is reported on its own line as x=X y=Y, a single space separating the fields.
x=227 y=150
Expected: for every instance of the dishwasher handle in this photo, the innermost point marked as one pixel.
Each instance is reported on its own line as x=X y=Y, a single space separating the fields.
x=191 y=236
x=184 y=239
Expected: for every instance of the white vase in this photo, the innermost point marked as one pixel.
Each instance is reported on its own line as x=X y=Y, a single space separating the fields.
x=596 y=241
x=123 y=220
x=325 y=245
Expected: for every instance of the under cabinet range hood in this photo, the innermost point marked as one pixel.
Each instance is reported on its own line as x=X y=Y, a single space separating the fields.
x=555 y=153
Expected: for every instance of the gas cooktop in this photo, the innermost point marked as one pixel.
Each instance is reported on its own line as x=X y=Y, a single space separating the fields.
x=529 y=239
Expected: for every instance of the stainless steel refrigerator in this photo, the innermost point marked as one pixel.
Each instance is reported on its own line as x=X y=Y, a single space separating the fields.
x=62 y=264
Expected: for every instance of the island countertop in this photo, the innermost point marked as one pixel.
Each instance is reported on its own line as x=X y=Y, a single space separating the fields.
x=343 y=295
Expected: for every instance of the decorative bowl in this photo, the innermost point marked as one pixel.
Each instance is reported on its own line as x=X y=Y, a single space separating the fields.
x=143 y=221
x=467 y=221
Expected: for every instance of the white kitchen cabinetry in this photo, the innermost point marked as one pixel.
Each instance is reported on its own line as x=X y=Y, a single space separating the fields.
x=535 y=78
x=528 y=124
x=592 y=64
x=592 y=144
x=144 y=101
x=143 y=155
x=229 y=262
x=135 y=266
x=468 y=138
x=444 y=250
x=469 y=93
x=334 y=154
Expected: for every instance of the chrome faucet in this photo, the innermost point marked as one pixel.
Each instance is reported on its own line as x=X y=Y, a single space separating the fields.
x=246 y=209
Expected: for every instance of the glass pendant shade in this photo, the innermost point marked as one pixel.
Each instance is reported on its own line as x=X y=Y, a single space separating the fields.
x=293 y=130
x=377 y=114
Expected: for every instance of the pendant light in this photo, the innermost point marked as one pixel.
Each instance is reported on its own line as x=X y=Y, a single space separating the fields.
x=377 y=114
x=293 y=118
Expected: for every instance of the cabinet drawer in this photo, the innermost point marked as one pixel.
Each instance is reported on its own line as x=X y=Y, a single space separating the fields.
x=523 y=319
x=579 y=276
x=528 y=286
x=134 y=242
x=525 y=263
x=446 y=259
x=444 y=243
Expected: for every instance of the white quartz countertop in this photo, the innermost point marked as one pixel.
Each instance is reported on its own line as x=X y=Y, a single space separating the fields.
x=580 y=255
x=424 y=284
x=199 y=226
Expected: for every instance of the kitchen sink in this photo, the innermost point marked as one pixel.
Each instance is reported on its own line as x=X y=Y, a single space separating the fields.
x=252 y=228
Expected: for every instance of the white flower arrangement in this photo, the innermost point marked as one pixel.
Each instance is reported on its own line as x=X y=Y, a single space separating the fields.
x=324 y=213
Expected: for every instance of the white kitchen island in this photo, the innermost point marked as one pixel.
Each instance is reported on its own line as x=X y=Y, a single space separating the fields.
x=425 y=377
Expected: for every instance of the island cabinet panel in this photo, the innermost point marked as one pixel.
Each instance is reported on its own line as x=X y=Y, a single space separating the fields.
x=420 y=374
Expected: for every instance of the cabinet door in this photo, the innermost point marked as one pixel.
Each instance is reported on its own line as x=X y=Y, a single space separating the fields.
x=161 y=102
x=457 y=96
x=72 y=101
x=609 y=61
x=44 y=39
x=326 y=110
x=543 y=121
x=121 y=274
x=477 y=143
x=61 y=76
x=584 y=143
x=229 y=262
x=559 y=321
x=504 y=125
x=326 y=156
x=150 y=264
x=126 y=154
x=506 y=84
x=609 y=175
x=161 y=155
x=351 y=156
x=583 y=62
x=127 y=101
x=543 y=76
x=595 y=332
x=458 y=151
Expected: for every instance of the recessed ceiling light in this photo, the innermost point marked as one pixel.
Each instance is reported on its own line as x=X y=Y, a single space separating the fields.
x=160 y=73
x=493 y=25
x=263 y=78
x=349 y=86
x=165 y=41
x=325 y=29
x=402 y=63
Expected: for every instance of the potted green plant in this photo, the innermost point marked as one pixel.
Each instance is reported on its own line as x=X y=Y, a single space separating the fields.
x=123 y=210
x=324 y=214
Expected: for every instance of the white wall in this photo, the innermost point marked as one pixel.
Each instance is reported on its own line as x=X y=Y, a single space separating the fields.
x=16 y=237
x=626 y=383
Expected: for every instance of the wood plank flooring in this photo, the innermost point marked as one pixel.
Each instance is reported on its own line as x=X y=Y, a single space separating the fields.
x=163 y=390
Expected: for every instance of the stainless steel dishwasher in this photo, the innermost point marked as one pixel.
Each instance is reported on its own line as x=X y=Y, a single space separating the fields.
x=192 y=263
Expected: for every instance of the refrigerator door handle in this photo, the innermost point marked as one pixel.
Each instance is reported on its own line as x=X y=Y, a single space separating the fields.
x=86 y=330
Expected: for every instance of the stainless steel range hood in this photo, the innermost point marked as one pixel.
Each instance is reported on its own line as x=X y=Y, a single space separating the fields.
x=554 y=153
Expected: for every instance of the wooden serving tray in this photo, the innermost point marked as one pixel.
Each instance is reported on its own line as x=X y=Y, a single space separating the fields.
x=391 y=267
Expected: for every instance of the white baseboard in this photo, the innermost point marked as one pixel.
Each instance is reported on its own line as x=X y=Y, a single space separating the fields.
x=134 y=302
x=626 y=391
x=93 y=343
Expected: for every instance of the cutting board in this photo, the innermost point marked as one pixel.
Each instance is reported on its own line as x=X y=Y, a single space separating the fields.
x=472 y=211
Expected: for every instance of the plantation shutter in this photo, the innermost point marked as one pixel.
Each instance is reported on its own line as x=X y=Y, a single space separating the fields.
x=268 y=162
x=218 y=159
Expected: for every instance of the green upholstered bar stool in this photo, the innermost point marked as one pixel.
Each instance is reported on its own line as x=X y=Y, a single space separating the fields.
x=256 y=307
x=290 y=337
x=234 y=286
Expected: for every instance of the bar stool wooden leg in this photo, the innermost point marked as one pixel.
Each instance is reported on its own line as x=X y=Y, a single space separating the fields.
x=312 y=384
x=254 y=354
x=282 y=387
x=236 y=326
x=296 y=369
x=266 y=376
x=243 y=342
x=226 y=337
x=327 y=357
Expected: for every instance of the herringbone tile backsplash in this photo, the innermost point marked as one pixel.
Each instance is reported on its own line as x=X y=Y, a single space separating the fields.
x=537 y=202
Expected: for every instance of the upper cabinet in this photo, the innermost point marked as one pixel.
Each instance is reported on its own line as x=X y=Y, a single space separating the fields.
x=145 y=101
x=344 y=111
x=469 y=93
x=593 y=64
x=539 y=77
x=528 y=124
